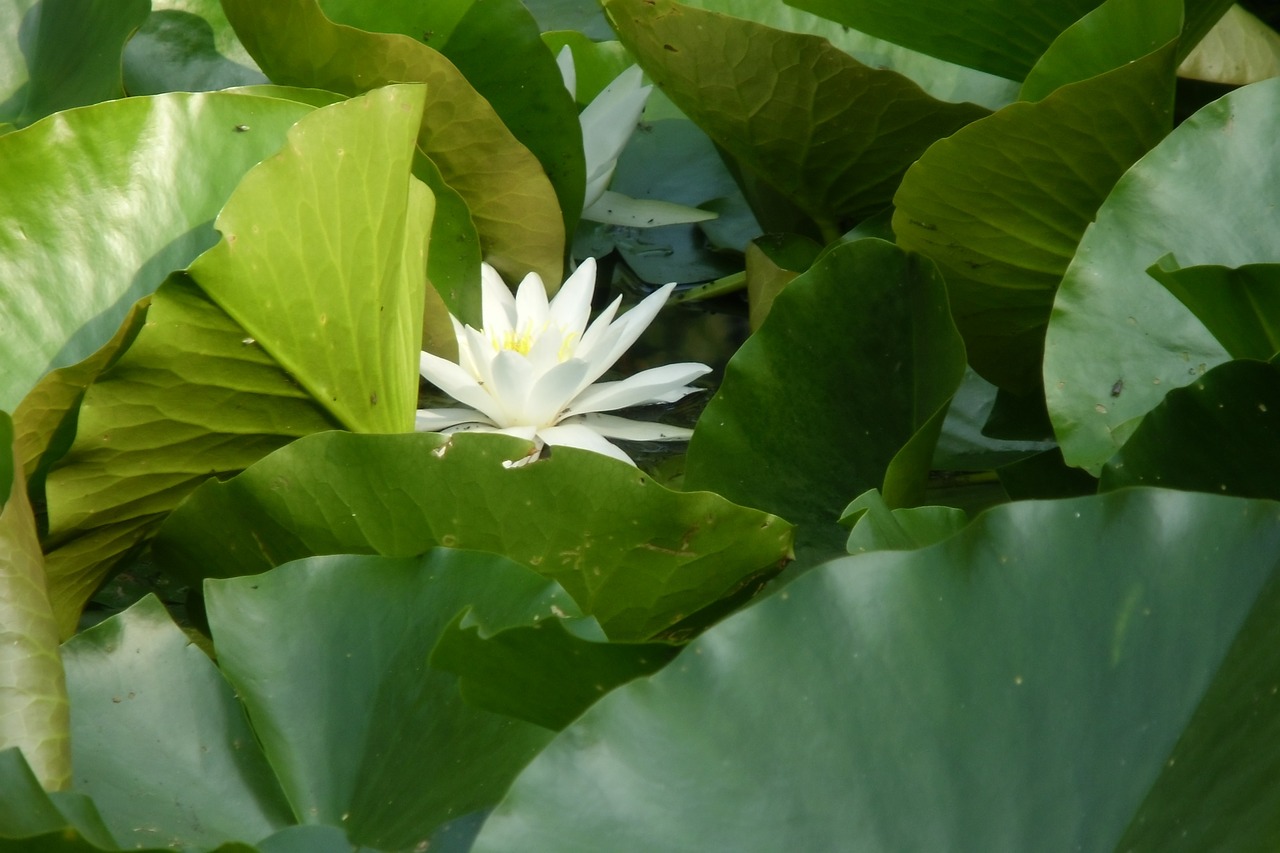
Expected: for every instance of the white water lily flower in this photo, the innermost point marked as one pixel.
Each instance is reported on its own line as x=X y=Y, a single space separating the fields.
x=529 y=371
x=607 y=123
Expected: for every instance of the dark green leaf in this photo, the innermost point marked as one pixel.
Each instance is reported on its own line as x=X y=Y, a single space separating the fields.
x=1002 y=204
x=544 y=673
x=1240 y=306
x=1209 y=192
x=72 y=50
x=361 y=732
x=1088 y=674
x=1220 y=434
x=857 y=356
x=878 y=528
x=829 y=133
x=187 y=45
x=635 y=555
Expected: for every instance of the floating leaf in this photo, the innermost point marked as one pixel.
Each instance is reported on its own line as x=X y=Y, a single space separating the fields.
x=1239 y=49
x=876 y=527
x=829 y=133
x=98 y=205
x=856 y=357
x=1093 y=673
x=1209 y=192
x=636 y=556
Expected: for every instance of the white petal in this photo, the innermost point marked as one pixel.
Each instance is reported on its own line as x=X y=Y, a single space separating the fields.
x=569 y=74
x=571 y=308
x=435 y=420
x=458 y=384
x=554 y=391
x=597 y=329
x=498 y=306
x=664 y=384
x=612 y=426
x=512 y=381
x=607 y=123
x=576 y=435
x=617 y=209
x=531 y=305
x=622 y=334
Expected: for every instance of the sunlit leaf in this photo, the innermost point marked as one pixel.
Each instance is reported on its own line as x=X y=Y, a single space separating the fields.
x=635 y=555
x=1093 y=673
x=33 y=695
x=1239 y=49
x=98 y=205
x=511 y=200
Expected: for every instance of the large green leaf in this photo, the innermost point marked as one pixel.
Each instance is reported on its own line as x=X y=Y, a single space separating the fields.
x=1219 y=434
x=1089 y=674
x=1239 y=49
x=829 y=133
x=33 y=694
x=942 y=80
x=636 y=556
x=160 y=741
x=72 y=51
x=362 y=733
x=98 y=204
x=1209 y=192
x=1003 y=37
x=186 y=45
x=493 y=43
x=511 y=200
x=329 y=282
x=192 y=397
x=856 y=357
x=1002 y=204
x=1240 y=306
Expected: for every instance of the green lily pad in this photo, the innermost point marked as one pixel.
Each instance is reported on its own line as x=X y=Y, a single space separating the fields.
x=1220 y=434
x=636 y=556
x=106 y=201
x=511 y=200
x=72 y=53
x=1209 y=192
x=187 y=46
x=792 y=108
x=33 y=695
x=857 y=356
x=1002 y=204
x=1093 y=673
x=1240 y=306
x=1240 y=49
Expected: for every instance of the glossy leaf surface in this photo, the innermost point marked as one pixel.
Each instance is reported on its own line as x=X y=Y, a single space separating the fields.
x=1113 y=653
